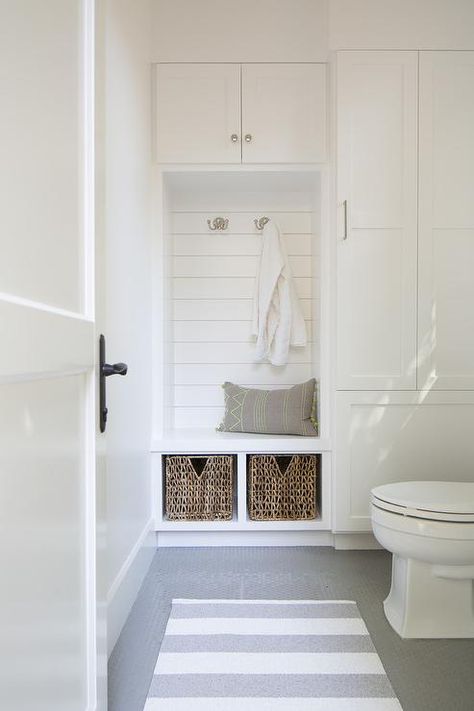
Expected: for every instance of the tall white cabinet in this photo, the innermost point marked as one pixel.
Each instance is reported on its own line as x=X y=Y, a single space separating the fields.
x=446 y=221
x=377 y=198
x=405 y=302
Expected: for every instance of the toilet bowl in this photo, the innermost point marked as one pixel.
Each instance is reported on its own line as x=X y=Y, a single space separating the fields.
x=428 y=526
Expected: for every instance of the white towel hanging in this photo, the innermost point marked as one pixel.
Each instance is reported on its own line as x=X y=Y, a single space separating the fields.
x=277 y=322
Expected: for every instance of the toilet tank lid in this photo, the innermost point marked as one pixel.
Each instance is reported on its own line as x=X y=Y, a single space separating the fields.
x=437 y=496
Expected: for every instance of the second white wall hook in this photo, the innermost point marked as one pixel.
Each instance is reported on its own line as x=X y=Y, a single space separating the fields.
x=260 y=222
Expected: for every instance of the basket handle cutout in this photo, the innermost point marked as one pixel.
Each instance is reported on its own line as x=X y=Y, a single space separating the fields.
x=198 y=464
x=283 y=462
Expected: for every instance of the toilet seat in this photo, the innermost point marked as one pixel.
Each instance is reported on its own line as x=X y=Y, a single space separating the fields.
x=433 y=500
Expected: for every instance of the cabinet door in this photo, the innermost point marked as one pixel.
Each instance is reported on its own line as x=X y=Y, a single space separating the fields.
x=446 y=227
x=283 y=113
x=377 y=214
x=197 y=112
x=404 y=436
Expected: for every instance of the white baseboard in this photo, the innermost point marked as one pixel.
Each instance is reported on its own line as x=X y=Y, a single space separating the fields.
x=127 y=583
x=168 y=539
x=356 y=541
x=339 y=541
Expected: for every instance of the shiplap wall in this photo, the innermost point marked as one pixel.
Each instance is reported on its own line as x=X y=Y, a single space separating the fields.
x=212 y=285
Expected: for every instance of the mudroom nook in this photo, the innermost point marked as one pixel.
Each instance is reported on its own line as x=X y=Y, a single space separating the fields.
x=207 y=278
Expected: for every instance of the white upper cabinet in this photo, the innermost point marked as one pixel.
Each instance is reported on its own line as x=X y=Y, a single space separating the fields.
x=284 y=113
x=446 y=221
x=199 y=109
x=377 y=219
x=197 y=113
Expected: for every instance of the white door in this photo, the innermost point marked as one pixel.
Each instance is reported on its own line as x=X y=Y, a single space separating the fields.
x=283 y=113
x=197 y=113
x=377 y=204
x=47 y=400
x=446 y=221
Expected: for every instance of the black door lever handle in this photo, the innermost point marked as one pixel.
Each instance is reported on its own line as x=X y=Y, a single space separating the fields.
x=115 y=369
x=106 y=369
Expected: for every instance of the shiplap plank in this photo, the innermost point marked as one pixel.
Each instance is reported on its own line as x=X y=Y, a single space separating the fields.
x=252 y=374
x=234 y=245
x=231 y=266
x=223 y=331
x=197 y=416
x=229 y=353
x=216 y=309
x=209 y=395
x=240 y=222
x=226 y=309
x=225 y=288
x=198 y=396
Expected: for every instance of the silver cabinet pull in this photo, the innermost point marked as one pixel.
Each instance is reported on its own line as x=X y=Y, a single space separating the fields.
x=344 y=204
x=234 y=138
x=248 y=137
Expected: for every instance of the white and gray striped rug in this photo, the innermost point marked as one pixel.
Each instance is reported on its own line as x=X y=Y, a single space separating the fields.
x=268 y=655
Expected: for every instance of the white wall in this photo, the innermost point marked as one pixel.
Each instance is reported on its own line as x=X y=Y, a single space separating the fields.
x=304 y=30
x=401 y=24
x=244 y=31
x=128 y=300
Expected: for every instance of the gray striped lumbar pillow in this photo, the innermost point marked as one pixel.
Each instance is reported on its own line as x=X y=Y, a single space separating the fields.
x=290 y=411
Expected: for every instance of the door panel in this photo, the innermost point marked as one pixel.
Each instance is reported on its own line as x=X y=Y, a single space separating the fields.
x=47 y=374
x=284 y=112
x=197 y=111
x=446 y=221
x=377 y=236
x=43 y=598
x=376 y=155
x=41 y=189
x=373 y=315
x=386 y=437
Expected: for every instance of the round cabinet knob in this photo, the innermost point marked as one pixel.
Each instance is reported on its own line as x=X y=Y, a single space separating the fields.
x=248 y=137
x=234 y=138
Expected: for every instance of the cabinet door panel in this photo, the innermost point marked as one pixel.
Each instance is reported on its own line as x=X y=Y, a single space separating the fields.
x=284 y=111
x=372 y=329
x=386 y=437
x=377 y=240
x=197 y=111
x=446 y=221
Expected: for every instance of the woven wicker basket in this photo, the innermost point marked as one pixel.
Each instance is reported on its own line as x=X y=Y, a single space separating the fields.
x=282 y=488
x=199 y=488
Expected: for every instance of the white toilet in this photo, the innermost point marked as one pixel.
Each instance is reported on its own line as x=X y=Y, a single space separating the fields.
x=428 y=526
